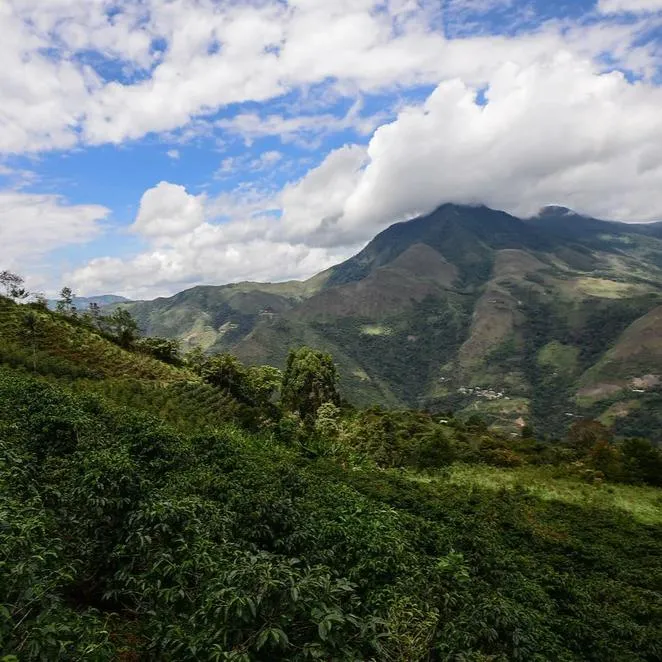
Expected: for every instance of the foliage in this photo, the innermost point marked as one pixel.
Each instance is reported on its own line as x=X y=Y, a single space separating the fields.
x=123 y=537
x=13 y=285
x=122 y=327
x=262 y=383
x=65 y=304
x=224 y=371
x=163 y=349
x=310 y=380
x=642 y=462
x=148 y=514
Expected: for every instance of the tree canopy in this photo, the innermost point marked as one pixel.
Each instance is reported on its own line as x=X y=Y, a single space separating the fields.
x=310 y=379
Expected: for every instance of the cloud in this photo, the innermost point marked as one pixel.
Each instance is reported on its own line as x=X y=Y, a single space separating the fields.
x=247 y=165
x=18 y=178
x=269 y=158
x=556 y=131
x=32 y=225
x=561 y=124
x=242 y=236
x=629 y=6
x=167 y=211
x=559 y=131
x=313 y=205
x=155 y=273
x=95 y=71
x=302 y=129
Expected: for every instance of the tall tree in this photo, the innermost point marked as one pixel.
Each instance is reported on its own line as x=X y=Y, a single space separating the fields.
x=94 y=311
x=123 y=327
x=163 y=349
x=195 y=359
x=309 y=381
x=225 y=372
x=262 y=381
x=40 y=300
x=65 y=303
x=13 y=285
x=585 y=434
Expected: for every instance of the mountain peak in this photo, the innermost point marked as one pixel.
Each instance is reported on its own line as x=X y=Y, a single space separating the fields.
x=556 y=210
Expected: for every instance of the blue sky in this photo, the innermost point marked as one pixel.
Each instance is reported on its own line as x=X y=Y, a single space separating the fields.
x=146 y=146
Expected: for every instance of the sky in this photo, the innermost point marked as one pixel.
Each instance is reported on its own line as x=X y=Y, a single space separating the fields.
x=147 y=146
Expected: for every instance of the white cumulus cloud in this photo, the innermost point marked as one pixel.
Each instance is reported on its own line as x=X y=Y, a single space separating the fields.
x=559 y=130
x=97 y=72
x=561 y=124
x=32 y=225
x=167 y=211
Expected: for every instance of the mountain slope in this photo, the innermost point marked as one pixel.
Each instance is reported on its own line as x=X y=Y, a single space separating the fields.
x=215 y=317
x=465 y=308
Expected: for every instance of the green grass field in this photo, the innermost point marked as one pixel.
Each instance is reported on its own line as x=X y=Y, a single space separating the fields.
x=641 y=502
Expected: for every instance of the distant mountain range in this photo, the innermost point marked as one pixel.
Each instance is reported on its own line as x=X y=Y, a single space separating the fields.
x=83 y=303
x=532 y=321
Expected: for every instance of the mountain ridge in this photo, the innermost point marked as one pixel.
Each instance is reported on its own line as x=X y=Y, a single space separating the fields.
x=451 y=309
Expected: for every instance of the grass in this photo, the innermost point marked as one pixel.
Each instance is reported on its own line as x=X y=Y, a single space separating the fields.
x=618 y=410
x=606 y=289
x=644 y=504
x=375 y=330
x=559 y=356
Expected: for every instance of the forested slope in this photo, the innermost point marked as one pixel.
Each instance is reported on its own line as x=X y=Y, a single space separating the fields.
x=214 y=523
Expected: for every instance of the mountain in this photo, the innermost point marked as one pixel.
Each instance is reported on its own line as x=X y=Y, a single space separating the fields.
x=537 y=320
x=83 y=303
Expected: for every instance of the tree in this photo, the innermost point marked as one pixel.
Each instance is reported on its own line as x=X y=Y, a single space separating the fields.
x=309 y=381
x=584 y=435
x=195 y=359
x=642 y=461
x=527 y=432
x=434 y=449
x=225 y=372
x=606 y=458
x=40 y=301
x=476 y=423
x=65 y=304
x=13 y=285
x=262 y=381
x=163 y=349
x=94 y=311
x=327 y=422
x=122 y=327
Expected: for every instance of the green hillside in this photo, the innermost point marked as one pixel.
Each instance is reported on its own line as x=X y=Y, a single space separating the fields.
x=156 y=512
x=466 y=308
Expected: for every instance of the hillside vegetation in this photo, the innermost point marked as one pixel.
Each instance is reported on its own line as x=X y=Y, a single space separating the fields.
x=526 y=322
x=217 y=511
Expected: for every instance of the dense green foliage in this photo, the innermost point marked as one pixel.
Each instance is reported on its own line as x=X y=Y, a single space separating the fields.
x=412 y=346
x=309 y=381
x=148 y=513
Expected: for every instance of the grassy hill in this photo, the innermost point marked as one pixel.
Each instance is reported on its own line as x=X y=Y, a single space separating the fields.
x=149 y=515
x=466 y=308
